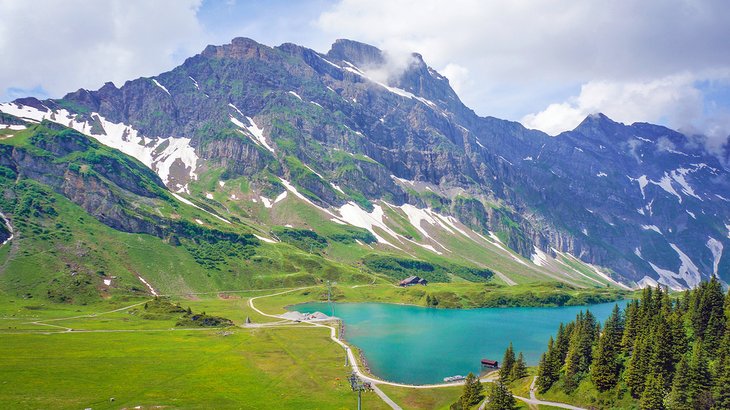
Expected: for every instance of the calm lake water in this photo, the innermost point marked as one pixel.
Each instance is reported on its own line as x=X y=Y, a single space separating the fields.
x=417 y=345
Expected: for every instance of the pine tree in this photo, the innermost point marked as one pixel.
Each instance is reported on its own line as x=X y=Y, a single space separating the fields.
x=543 y=381
x=637 y=366
x=678 y=397
x=631 y=326
x=562 y=342
x=547 y=369
x=700 y=379
x=721 y=393
x=653 y=396
x=662 y=359
x=606 y=366
x=472 y=393
x=714 y=332
x=580 y=350
x=507 y=362
x=679 y=335
x=519 y=369
x=500 y=398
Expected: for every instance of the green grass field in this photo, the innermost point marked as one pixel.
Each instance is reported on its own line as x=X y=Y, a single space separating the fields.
x=113 y=352
x=146 y=363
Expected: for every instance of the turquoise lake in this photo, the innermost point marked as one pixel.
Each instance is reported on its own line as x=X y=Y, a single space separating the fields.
x=417 y=345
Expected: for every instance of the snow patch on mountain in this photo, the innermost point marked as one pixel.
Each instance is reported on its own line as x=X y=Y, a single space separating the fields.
x=356 y=216
x=12 y=127
x=643 y=182
x=687 y=270
x=667 y=277
x=157 y=83
x=258 y=133
x=159 y=154
x=679 y=176
x=666 y=184
x=264 y=239
x=646 y=282
x=187 y=202
x=539 y=257
x=716 y=249
x=651 y=228
x=281 y=197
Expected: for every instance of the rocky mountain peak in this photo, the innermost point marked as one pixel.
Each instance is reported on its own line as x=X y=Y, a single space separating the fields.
x=360 y=54
x=239 y=48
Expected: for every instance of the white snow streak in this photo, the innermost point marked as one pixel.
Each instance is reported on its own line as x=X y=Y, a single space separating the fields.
x=651 y=228
x=9 y=227
x=687 y=270
x=185 y=201
x=356 y=216
x=539 y=258
x=667 y=277
x=151 y=289
x=258 y=133
x=646 y=282
x=157 y=83
x=716 y=249
x=263 y=239
x=281 y=197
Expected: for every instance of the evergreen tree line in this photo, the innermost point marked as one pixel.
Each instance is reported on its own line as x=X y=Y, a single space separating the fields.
x=512 y=369
x=667 y=353
x=499 y=396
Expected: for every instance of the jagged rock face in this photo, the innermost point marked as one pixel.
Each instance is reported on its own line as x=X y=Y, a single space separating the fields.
x=256 y=110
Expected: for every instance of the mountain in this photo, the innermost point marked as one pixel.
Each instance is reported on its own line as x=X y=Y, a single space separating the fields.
x=297 y=145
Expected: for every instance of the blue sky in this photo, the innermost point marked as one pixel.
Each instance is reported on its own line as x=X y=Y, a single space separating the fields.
x=545 y=63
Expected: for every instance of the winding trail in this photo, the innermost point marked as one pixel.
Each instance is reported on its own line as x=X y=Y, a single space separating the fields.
x=534 y=400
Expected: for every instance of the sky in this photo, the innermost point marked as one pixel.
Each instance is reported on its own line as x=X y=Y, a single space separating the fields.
x=545 y=63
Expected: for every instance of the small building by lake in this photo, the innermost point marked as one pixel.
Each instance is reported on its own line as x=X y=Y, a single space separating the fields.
x=490 y=363
x=413 y=280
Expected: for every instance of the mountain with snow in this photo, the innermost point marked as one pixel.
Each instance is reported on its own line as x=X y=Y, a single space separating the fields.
x=284 y=139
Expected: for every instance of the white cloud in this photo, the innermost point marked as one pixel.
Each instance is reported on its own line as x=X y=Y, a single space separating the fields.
x=458 y=76
x=673 y=100
x=63 y=46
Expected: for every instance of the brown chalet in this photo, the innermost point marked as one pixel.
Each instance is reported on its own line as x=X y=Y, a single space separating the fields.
x=490 y=363
x=413 y=280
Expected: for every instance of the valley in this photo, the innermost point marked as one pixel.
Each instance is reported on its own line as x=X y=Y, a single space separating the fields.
x=154 y=233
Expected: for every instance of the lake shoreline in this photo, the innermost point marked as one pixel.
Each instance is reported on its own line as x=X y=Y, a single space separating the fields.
x=417 y=345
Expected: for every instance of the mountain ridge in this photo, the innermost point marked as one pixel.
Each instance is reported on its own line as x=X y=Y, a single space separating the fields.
x=288 y=113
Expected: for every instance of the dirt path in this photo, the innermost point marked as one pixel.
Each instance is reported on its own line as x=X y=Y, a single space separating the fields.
x=533 y=400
